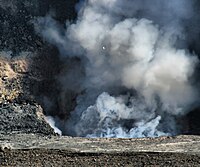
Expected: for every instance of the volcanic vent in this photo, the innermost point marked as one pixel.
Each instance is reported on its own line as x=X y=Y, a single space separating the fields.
x=130 y=66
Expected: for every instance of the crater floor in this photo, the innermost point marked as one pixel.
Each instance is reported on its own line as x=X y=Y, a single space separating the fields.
x=38 y=150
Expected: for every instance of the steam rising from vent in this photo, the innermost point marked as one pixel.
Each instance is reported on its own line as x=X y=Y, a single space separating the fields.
x=136 y=71
x=51 y=122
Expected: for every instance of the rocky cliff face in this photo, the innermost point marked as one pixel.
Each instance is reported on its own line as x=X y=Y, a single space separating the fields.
x=16 y=22
x=29 y=65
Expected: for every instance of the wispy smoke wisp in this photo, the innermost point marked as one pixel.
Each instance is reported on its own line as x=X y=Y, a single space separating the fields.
x=51 y=122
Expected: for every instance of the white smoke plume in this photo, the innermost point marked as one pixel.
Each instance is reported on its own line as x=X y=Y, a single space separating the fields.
x=50 y=120
x=132 y=45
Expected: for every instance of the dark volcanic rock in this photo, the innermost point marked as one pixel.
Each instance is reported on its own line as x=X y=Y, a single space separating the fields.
x=38 y=80
x=16 y=21
x=31 y=78
x=23 y=118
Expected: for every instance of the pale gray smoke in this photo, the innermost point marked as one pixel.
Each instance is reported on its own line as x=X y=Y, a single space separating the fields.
x=108 y=116
x=129 y=44
x=51 y=122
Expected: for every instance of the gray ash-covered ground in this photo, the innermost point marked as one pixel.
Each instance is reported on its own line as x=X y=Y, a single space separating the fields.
x=33 y=150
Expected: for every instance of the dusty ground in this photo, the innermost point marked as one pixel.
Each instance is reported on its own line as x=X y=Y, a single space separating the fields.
x=35 y=150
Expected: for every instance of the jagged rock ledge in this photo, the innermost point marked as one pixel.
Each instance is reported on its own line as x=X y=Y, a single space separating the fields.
x=38 y=150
